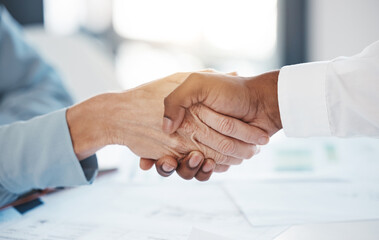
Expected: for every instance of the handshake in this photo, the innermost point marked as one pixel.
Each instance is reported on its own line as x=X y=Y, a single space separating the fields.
x=195 y=123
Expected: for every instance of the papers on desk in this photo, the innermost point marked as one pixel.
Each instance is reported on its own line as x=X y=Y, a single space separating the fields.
x=107 y=210
x=288 y=203
x=113 y=210
x=198 y=234
x=331 y=231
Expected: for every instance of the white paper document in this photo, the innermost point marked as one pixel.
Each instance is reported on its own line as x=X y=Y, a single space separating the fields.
x=288 y=203
x=197 y=234
x=365 y=230
x=139 y=212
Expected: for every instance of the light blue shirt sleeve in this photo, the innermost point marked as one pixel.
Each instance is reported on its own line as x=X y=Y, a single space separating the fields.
x=35 y=143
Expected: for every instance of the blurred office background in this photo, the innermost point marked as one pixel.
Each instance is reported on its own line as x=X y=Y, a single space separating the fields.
x=104 y=45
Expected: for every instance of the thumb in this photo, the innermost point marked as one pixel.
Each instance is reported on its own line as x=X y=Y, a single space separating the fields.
x=175 y=104
x=173 y=114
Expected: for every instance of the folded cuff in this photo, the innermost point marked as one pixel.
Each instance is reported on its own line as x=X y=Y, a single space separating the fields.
x=302 y=100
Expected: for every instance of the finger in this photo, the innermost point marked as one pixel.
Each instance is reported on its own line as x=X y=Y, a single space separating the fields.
x=190 y=165
x=232 y=127
x=190 y=92
x=166 y=165
x=206 y=170
x=146 y=163
x=208 y=165
x=225 y=145
x=218 y=157
x=221 y=168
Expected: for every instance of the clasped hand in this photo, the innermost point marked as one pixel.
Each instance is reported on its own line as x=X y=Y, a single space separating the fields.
x=211 y=121
x=250 y=100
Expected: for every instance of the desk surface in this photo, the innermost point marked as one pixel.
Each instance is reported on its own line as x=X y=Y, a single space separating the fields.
x=112 y=210
x=137 y=205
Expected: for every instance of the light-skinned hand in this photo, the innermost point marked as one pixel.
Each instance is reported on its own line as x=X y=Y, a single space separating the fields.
x=133 y=118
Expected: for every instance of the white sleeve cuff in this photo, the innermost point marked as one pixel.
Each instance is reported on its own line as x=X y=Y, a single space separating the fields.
x=302 y=100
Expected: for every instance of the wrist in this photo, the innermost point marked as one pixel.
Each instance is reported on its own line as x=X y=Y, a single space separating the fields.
x=264 y=99
x=87 y=123
x=271 y=98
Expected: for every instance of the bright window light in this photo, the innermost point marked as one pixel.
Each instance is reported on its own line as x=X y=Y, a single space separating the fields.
x=163 y=20
x=240 y=27
x=98 y=15
x=63 y=16
x=140 y=63
x=68 y=16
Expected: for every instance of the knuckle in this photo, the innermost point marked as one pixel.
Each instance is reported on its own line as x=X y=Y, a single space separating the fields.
x=187 y=126
x=203 y=132
x=226 y=146
x=202 y=113
x=195 y=110
x=227 y=126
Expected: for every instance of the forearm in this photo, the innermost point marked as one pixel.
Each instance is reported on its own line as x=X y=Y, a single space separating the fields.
x=127 y=119
x=111 y=118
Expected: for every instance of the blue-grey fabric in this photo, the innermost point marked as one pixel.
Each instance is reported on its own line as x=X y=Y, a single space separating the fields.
x=35 y=144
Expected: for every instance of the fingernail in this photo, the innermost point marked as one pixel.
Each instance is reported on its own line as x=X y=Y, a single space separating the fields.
x=207 y=167
x=263 y=140
x=167 y=125
x=194 y=161
x=167 y=167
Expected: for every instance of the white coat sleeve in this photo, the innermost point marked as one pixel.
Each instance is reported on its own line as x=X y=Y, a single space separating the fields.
x=331 y=98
